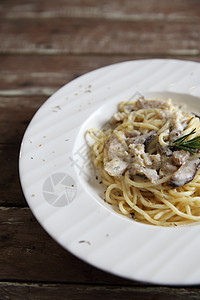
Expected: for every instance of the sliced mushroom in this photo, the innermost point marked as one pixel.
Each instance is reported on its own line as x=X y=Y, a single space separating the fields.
x=141 y=139
x=185 y=173
x=151 y=144
x=150 y=141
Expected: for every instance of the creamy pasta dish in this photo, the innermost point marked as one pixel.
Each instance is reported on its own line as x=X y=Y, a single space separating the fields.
x=148 y=159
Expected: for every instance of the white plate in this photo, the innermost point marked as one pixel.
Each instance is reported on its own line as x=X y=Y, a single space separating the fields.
x=60 y=187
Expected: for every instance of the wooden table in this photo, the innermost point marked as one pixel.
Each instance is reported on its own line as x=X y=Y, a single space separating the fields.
x=43 y=45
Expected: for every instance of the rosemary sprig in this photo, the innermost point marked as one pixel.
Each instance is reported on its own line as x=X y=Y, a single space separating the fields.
x=191 y=145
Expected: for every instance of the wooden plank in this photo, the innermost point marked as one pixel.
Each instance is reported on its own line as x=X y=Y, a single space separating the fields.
x=42 y=75
x=10 y=188
x=122 y=10
x=15 y=115
x=92 y=36
x=27 y=252
x=30 y=291
x=34 y=75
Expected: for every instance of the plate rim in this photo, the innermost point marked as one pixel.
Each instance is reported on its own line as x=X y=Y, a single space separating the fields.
x=52 y=98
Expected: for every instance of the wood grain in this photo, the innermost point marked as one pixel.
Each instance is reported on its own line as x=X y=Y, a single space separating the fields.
x=40 y=291
x=89 y=36
x=151 y=10
x=28 y=253
x=16 y=113
x=27 y=76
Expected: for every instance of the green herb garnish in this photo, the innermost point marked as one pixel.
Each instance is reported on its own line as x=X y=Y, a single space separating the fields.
x=190 y=145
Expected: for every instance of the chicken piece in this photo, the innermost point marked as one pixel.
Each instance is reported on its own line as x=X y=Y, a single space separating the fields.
x=142 y=103
x=114 y=147
x=164 y=150
x=136 y=169
x=143 y=163
x=180 y=157
x=168 y=167
x=132 y=133
x=136 y=149
x=155 y=161
x=116 y=167
x=143 y=158
x=178 y=124
x=117 y=117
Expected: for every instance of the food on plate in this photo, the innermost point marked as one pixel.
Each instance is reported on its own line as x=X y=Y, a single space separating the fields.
x=148 y=159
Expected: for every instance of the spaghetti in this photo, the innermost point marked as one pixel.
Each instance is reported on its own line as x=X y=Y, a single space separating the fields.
x=145 y=176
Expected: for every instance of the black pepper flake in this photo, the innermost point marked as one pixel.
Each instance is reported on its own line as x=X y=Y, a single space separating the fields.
x=87 y=242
